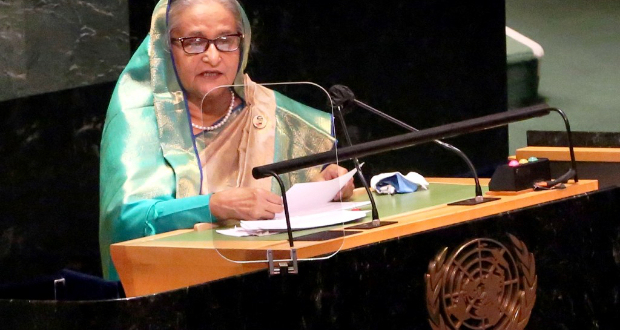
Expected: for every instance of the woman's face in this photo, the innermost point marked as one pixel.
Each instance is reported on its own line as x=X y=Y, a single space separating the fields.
x=200 y=73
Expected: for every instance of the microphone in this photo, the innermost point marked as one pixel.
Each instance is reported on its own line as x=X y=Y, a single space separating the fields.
x=343 y=96
x=392 y=143
x=338 y=98
x=403 y=141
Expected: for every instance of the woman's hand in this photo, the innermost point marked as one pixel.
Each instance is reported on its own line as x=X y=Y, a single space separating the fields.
x=333 y=171
x=245 y=204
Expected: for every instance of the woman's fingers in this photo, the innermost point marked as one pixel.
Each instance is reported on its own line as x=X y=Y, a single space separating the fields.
x=345 y=192
x=333 y=171
x=245 y=204
x=271 y=197
x=272 y=204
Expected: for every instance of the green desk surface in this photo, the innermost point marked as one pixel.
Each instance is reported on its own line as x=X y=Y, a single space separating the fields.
x=437 y=194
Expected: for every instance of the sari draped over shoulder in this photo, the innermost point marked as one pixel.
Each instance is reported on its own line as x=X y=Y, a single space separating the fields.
x=155 y=178
x=290 y=130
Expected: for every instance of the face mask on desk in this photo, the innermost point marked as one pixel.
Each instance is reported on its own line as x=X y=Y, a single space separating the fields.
x=396 y=183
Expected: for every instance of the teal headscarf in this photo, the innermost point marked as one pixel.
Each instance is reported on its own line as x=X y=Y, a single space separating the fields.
x=148 y=118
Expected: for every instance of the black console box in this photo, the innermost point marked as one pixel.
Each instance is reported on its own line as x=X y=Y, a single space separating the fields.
x=523 y=176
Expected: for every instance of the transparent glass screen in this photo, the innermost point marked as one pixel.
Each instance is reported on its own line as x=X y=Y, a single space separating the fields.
x=243 y=127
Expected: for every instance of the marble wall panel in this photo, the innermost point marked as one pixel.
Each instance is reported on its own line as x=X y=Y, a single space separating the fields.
x=12 y=47
x=55 y=45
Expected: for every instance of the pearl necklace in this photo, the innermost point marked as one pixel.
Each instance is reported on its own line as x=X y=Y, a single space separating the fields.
x=223 y=120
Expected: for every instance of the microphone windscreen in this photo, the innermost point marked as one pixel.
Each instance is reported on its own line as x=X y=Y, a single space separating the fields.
x=341 y=94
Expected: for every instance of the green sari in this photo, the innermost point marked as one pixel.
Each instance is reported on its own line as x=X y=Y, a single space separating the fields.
x=153 y=169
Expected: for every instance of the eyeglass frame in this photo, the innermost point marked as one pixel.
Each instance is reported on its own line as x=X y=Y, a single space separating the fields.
x=209 y=42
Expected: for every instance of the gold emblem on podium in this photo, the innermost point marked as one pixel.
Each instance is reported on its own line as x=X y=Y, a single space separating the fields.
x=482 y=285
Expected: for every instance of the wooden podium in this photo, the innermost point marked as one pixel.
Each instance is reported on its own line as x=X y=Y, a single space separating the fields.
x=386 y=277
x=184 y=258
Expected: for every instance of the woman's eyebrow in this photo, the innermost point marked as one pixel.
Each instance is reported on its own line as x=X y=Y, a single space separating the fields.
x=222 y=33
x=227 y=32
x=195 y=34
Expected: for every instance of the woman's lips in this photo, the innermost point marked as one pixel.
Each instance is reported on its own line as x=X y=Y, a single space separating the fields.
x=210 y=74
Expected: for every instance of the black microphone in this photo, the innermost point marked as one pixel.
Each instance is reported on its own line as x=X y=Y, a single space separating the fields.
x=338 y=98
x=342 y=96
x=398 y=142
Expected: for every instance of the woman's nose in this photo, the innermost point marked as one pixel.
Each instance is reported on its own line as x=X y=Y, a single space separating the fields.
x=212 y=55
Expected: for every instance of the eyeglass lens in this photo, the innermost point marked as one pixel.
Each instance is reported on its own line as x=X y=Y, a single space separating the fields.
x=199 y=45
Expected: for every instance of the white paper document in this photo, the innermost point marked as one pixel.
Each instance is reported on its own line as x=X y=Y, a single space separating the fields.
x=306 y=221
x=310 y=206
x=309 y=197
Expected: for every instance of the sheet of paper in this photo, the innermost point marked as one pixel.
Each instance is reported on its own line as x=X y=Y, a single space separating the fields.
x=240 y=232
x=304 y=197
x=327 y=207
x=306 y=221
x=310 y=206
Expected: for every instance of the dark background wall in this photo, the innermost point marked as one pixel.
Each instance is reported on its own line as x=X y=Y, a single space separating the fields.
x=424 y=62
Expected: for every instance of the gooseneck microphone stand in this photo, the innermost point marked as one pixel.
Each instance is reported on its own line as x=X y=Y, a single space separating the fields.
x=572 y=171
x=375 y=214
x=342 y=95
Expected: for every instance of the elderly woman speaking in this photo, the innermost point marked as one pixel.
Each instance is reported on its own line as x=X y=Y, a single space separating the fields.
x=178 y=148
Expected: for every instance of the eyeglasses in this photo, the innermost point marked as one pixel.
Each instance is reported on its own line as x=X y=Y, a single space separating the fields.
x=197 y=45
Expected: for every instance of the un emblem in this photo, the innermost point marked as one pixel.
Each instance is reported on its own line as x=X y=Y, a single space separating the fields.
x=481 y=285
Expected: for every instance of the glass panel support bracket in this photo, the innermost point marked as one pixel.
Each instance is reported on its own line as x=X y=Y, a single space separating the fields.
x=286 y=266
x=59 y=288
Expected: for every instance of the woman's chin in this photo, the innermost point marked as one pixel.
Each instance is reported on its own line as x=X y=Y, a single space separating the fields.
x=214 y=94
